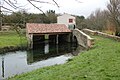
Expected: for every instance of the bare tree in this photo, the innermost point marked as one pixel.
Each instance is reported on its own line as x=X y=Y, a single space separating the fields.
x=14 y=5
x=114 y=14
x=97 y=20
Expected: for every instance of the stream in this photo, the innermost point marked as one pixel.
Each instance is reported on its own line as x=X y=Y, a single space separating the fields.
x=44 y=54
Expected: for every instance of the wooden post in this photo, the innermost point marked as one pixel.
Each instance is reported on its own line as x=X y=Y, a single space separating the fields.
x=31 y=41
x=57 y=50
x=57 y=39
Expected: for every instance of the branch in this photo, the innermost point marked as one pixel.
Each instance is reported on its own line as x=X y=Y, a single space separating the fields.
x=10 y=4
x=78 y=1
x=7 y=9
x=13 y=3
x=42 y=2
x=56 y=3
x=36 y=6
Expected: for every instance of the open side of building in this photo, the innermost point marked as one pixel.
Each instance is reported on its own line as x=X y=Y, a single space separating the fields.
x=37 y=33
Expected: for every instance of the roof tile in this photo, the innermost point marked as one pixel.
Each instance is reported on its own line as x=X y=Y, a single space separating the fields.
x=46 y=28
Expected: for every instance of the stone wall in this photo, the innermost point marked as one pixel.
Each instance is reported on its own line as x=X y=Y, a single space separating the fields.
x=83 y=39
x=88 y=31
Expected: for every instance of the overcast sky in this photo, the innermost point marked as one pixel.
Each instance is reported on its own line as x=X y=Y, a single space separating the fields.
x=76 y=7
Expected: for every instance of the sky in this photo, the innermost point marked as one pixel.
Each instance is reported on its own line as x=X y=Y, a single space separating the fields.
x=75 y=7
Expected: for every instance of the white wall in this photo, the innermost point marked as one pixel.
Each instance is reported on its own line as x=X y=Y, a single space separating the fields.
x=64 y=19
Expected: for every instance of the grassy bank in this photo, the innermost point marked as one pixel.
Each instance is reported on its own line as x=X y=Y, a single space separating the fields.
x=100 y=63
x=11 y=38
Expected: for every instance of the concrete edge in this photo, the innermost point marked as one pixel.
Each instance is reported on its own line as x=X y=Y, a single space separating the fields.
x=88 y=31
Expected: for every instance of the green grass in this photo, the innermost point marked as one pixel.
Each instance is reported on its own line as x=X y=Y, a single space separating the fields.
x=11 y=38
x=102 y=62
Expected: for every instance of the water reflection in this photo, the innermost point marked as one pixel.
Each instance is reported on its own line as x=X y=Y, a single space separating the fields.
x=49 y=50
x=46 y=49
x=3 y=67
x=44 y=54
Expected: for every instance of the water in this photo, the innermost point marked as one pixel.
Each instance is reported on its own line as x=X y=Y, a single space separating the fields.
x=14 y=63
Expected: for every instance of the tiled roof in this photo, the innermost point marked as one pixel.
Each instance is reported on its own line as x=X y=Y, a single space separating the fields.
x=46 y=28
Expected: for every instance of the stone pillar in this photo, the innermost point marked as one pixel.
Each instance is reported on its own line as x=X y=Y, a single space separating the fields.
x=72 y=37
x=31 y=41
x=46 y=36
x=30 y=58
x=68 y=37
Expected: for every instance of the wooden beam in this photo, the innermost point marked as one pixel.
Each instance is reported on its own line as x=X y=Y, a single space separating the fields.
x=50 y=33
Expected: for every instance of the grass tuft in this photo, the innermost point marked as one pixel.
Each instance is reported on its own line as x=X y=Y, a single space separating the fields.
x=11 y=38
